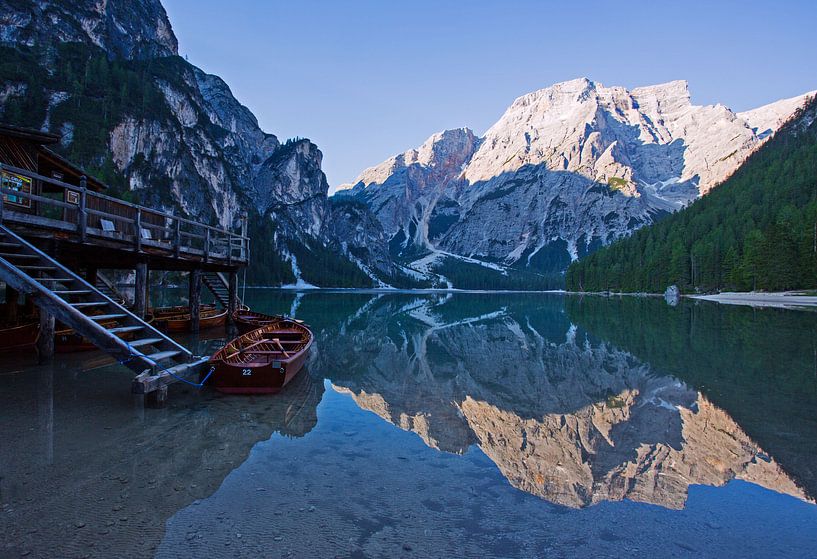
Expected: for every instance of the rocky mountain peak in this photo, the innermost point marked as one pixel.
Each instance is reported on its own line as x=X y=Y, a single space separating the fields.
x=136 y=29
x=565 y=169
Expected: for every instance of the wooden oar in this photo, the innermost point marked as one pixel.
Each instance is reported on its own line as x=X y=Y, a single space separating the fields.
x=277 y=342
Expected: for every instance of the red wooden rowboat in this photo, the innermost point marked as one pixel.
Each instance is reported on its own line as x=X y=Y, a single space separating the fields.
x=177 y=319
x=262 y=361
x=18 y=337
x=246 y=320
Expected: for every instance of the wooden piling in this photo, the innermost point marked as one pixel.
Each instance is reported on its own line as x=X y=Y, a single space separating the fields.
x=140 y=302
x=45 y=343
x=12 y=300
x=157 y=398
x=232 y=293
x=195 y=299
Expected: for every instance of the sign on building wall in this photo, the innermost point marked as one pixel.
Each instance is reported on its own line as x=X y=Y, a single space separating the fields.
x=17 y=183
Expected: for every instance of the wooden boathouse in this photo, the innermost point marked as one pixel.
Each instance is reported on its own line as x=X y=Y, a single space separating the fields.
x=58 y=228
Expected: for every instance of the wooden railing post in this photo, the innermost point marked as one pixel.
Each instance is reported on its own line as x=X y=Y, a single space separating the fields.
x=244 y=240
x=229 y=249
x=1 y=197
x=177 y=241
x=140 y=297
x=206 y=244
x=83 y=215
x=195 y=299
x=138 y=229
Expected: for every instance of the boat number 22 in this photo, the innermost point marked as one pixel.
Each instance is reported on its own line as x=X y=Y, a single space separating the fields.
x=246 y=372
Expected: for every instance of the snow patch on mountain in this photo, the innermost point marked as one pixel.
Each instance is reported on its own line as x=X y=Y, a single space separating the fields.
x=565 y=169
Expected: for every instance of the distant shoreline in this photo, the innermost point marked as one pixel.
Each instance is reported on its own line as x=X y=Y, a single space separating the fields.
x=784 y=300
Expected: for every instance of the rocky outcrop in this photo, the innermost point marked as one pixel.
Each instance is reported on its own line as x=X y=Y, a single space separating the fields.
x=186 y=145
x=127 y=30
x=565 y=170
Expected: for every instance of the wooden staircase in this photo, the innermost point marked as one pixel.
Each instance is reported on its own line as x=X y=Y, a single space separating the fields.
x=73 y=301
x=108 y=289
x=218 y=285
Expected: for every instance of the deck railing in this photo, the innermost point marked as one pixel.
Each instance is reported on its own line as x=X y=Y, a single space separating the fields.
x=88 y=214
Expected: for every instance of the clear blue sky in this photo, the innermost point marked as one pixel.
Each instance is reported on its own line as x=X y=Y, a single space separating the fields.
x=366 y=79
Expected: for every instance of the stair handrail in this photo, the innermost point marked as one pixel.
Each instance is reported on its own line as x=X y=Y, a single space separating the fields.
x=73 y=314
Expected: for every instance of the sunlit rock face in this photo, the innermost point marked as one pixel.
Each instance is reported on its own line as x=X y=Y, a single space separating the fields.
x=573 y=421
x=196 y=149
x=564 y=170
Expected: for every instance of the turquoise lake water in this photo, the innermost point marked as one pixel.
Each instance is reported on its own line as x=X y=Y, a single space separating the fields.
x=436 y=425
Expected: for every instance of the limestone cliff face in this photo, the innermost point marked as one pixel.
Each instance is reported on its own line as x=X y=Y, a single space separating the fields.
x=184 y=144
x=565 y=170
x=124 y=29
x=573 y=421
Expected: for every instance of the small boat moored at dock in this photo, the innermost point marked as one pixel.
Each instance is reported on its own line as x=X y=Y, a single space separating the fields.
x=247 y=320
x=262 y=361
x=177 y=319
x=19 y=336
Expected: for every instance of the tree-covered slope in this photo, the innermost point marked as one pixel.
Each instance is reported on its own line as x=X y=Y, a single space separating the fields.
x=107 y=77
x=758 y=230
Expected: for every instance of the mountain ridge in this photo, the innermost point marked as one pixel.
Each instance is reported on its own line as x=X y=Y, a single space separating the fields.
x=108 y=78
x=565 y=169
x=755 y=231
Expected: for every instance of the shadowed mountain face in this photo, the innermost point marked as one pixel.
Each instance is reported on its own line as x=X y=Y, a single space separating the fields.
x=565 y=170
x=564 y=416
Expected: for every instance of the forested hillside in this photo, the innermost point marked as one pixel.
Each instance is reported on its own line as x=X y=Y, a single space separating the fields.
x=758 y=230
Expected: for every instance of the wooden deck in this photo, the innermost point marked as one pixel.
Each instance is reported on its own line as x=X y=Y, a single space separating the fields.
x=77 y=222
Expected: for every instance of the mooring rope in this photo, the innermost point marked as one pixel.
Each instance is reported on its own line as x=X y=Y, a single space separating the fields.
x=133 y=355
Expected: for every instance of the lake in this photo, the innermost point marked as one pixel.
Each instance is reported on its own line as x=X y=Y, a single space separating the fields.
x=436 y=425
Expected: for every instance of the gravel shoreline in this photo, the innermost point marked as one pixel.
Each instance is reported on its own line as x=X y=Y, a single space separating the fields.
x=786 y=300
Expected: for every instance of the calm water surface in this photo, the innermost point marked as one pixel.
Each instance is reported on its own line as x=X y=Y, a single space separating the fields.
x=430 y=425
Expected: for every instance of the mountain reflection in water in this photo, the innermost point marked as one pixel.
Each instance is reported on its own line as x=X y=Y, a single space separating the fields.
x=563 y=415
x=85 y=472
x=575 y=402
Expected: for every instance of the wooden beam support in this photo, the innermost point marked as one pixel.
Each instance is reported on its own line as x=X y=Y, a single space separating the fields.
x=195 y=299
x=82 y=213
x=156 y=398
x=45 y=342
x=140 y=303
x=12 y=299
x=90 y=275
x=232 y=293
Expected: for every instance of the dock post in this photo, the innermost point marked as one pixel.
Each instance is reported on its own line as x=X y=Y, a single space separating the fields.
x=140 y=303
x=245 y=253
x=45 y=342
x=12 y=301
x=157 y=398
x=232 y=293
x=1 y=201
x=82 y=214
x=195 y=299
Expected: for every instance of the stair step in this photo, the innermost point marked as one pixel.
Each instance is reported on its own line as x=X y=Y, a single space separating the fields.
x=37 y=267
x=8 y=255
x=73 y=291
x=55 y=280
x=123 y=329
x=162 y=355
x=10 y=245
x=145 y=341
x=90 y=304
x=107 y=316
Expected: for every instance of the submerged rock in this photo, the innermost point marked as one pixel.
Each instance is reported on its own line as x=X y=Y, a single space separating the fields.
x=672 y=295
